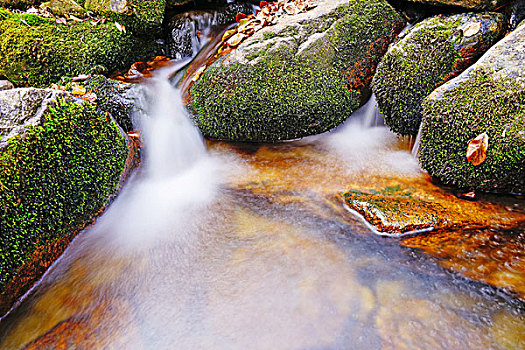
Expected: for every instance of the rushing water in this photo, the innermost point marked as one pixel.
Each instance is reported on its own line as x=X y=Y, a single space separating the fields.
x=236 y=247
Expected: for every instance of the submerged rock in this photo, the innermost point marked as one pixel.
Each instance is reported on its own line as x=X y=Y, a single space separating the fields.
x=428 y=55
x=487 y=98
x=394 y=211
x=48 y=50
x=470 y=4
x=303 y=76
x=59 y=172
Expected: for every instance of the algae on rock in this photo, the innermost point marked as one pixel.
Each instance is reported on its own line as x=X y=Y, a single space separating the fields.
x=301 y=77
x=55 y=178
x=487 y=98
x=428 y=55
x=40 y=55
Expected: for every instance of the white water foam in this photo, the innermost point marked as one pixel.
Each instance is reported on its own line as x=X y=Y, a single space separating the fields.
x=364 y=143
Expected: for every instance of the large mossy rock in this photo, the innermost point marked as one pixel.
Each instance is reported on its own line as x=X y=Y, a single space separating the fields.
x=40 y=55
x=139 y=16
x=487 y=98
x=57 y=173
x=470 y=4
x=431 y=53
x=303 y=76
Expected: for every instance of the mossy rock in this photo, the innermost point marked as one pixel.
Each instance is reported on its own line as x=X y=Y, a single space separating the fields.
x=470 y=4
x=138 y=16
x=19 y=4
x=394 y=211
x=40 y=55
x=487 y=98
x=429 y=54
x=120 y=100
x=303 y=76
x=54 y=179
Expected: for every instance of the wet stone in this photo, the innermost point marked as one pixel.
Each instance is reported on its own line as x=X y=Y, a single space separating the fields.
x=394 y=211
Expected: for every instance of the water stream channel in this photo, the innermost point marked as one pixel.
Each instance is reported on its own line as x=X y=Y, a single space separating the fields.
x=214 y=245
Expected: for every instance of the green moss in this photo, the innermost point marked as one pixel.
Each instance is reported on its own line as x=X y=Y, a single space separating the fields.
x=41 y=54
x=283 y=94
x=427 y=57
x=471 y=108
x=138 y=16
x=19 y=4
x=110 y=98
x=55 y=179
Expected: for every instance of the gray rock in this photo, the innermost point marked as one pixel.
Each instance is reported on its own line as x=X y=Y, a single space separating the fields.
x=20 y=108
x=489 y=97
x=6 y=85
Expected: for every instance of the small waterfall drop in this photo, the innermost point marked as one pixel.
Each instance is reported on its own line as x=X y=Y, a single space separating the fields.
x=364 y=142
x=415 y=148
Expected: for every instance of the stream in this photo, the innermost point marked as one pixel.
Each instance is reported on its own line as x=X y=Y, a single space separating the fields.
x=213 y=245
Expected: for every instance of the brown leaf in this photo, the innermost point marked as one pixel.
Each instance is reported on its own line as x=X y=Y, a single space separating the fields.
x=236 y=39
x=90 y=96
x=78 y=90
x=120 y=27
x=477 y=149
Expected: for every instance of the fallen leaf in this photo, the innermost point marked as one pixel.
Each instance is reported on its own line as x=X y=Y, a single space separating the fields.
x=120 y=27
x=61 y=21
x=76 y=19
x=90 y=96
x=471 y=28
x=78 y=90
x=198 y=73
x=477 y=149
x=240 y=16
x=228 y=34
x=80 y=77
x=470 y=196
x=236 y=39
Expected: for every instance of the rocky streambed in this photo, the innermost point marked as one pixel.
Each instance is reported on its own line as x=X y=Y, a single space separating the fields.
x=448 y=76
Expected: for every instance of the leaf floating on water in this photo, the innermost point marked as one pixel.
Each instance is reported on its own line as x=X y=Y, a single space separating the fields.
x=120 y=27
x=477 y=149
x=471 y=29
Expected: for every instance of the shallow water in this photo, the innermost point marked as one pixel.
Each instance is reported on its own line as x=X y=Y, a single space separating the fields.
x=249 y=246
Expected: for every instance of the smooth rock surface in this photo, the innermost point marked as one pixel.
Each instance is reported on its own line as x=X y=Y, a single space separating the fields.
x=22 y=107
x=487 y=98
x=429 y=54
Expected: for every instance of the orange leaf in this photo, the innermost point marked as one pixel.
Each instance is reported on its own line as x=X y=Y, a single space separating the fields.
x=240 y=16
x=477 y=149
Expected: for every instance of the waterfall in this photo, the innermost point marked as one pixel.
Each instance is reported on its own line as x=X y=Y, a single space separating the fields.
x=415 y=148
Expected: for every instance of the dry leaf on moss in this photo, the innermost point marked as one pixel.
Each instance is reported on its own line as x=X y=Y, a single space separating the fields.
x=477 y=149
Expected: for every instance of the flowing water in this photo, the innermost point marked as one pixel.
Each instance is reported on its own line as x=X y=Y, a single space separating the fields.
x=232 y=246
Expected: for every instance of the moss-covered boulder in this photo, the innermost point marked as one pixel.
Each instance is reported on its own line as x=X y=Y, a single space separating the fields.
x=60 y=170
x=138 y=16
x=470 y=4
x=303 y=76
x=429 y=54
x=40 y=55
x=487 y=98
